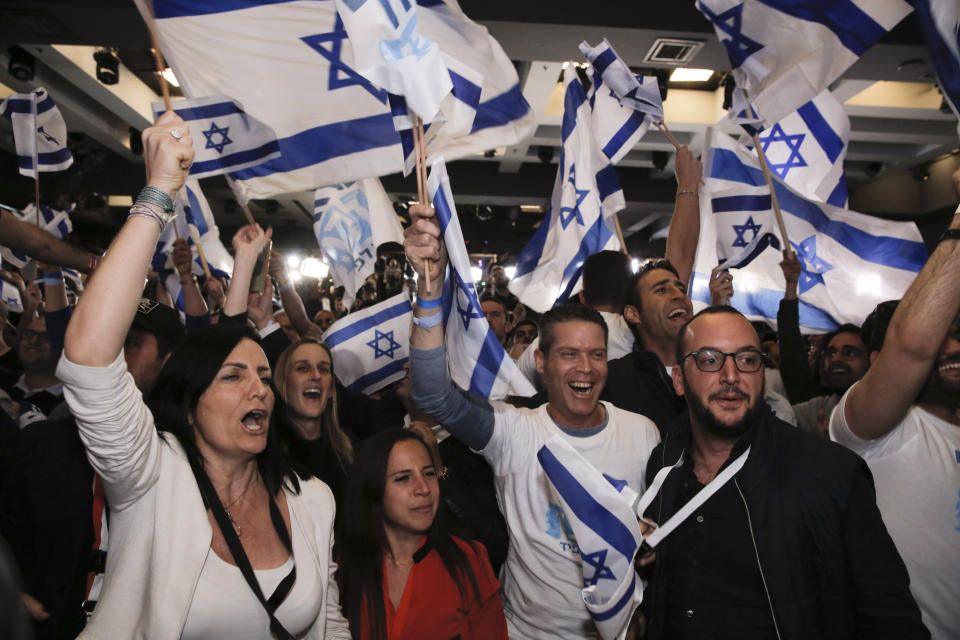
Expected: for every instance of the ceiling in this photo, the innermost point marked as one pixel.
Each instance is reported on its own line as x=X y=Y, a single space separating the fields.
x=895 y=125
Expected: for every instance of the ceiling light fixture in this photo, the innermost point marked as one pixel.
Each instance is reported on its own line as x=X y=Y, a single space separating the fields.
x=686 y=74
x=21 y=64
x=170 y=77
x=108 y=66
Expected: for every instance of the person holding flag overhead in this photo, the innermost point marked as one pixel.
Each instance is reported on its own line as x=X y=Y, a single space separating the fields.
x=544 y=573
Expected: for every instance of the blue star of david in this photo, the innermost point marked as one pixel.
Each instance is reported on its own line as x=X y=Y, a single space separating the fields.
x=777 y=134
x=741 y=229
x=214 y=130
x=468 y=290
x=573 y=213
x=739 y=47
x=597 y=560
x=392 y=345
x=341 y=75
x=812 y=266
x=409 y=43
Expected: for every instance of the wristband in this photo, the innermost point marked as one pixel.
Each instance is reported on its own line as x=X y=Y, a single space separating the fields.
x=429 y=304
x=156 y=196
x=94 y=261
x=147 y=211
x=188 y=278
x=428 y=322
x=949 y=234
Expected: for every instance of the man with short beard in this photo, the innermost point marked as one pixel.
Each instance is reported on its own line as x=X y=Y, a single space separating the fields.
x=792 y=545
x=903 y=418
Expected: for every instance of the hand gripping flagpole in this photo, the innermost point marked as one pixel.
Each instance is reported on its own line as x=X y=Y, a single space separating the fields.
x=195 y=235
x=775 y=203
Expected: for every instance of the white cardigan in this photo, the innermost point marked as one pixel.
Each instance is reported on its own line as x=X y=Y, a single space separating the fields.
x=159 y=532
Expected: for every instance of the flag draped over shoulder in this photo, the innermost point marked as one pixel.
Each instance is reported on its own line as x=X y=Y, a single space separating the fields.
x=54 y=221
x=623 y=104
x=785 y=52
x=585 y=193
x=225 y=138
x=806 y=149
x=350 y=221
x=940 y=21
x=39 y=132
x=371 y=347
x=850 y=261
x=607 y=534
x=477 y=360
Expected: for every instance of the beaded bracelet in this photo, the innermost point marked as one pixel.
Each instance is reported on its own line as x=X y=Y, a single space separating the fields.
x=146 y=211
x=686 y=192
x=156 y=196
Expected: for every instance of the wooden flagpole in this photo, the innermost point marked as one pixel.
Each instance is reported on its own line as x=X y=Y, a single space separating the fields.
x=774 y=202
x=422 y=191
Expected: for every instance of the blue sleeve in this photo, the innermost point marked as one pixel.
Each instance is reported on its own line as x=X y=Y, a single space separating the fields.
x=468 y=418
x=57 y=322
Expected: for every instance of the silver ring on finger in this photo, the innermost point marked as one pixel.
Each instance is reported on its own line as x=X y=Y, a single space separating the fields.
x=176 y=134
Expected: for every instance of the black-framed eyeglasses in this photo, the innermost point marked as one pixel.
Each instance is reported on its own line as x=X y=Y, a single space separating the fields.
x=747 y=360
x=846 y=352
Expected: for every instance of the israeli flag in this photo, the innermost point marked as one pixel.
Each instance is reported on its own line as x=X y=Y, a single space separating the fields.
x=623 y=104
x=585 y=193
x=940 y=21
x=194 y=220
x=10 y=297
x=850 y=261
x=53 y=221
x=485 y=108
x=389 y=50
x=225 y=138
x=744 y=114
x=477 y=360
x=350 y=221
x=739 y=244
x=785 y=52
x=807 y=149
x=39 y=132
x=370 y=347
x=607 y=533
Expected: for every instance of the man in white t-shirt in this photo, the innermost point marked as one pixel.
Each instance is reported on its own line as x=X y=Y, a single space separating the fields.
x=902 y=417
x=543 y=575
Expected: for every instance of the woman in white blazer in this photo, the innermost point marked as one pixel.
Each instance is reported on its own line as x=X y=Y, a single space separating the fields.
x=212 y=535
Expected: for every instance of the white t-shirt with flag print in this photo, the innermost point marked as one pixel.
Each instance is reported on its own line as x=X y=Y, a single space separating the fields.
x=542 y=577
x=916 y=470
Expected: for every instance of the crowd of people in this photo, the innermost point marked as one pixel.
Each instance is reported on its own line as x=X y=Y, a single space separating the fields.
x=209 y=477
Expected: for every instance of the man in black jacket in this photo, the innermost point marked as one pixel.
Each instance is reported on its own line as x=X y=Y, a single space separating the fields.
x=792 y=546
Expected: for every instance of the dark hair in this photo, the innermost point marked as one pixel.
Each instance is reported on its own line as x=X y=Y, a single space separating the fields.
x=567 y=313
x=874 y=329
x=708 y=311
x=631 y=294
x=492 y=298
x=605 y=274
x=844 y=328
x=363 y=539
x=186 y=375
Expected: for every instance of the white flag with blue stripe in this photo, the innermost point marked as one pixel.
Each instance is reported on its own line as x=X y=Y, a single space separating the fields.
x=623 y=104
x=807 y=148
x=370 y=347
x=390 y=51
x=54 y=221
x=850 y=261
x=39 y=132
x=785 y=52
x=940 y=21
x=225 y=138
x=10 y=297
x=350 y=221
x=585 y=193
x=607 y=534
x=477 y=360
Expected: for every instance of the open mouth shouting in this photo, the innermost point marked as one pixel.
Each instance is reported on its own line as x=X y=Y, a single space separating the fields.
x=582 y=387
x=679 y=314
x=256 y=421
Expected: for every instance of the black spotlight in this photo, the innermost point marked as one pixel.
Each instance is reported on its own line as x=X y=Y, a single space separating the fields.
x=136 y=142
x=921 y=173
x=108 y=66
x=484 y=212
x=21 y=64
x=660 y=159
x=729 y=84
x=545 y=153
x=873 y=169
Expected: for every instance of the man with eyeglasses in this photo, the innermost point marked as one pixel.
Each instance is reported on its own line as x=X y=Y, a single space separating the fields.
x=791 y=545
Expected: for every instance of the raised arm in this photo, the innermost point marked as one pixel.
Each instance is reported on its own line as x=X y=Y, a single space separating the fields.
x=290 y=299
x=109 y=301
x=42 y=245
x=685 y=224
x=917 y=330
x=248 y=244
x=801 y=384
x=193 y=302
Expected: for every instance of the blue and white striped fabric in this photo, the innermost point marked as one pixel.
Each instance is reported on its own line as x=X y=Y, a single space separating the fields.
x=585 y=193
x=225 y=138
x=623 y=104
x=54 y=221
x=807 y=148
x=940 y=21
x=10 y=297
x=390 y=51
x=39 y=132
x=607 y=534
x=476 y=358
x=850 y=261
x=350 y=221
x=370 y=347
x=785 y=52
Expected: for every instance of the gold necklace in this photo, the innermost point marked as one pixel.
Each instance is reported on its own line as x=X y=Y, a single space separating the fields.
x=226 y=507
x=397 y=563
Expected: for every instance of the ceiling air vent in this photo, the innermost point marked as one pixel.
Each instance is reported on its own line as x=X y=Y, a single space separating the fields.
x=673 y=51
